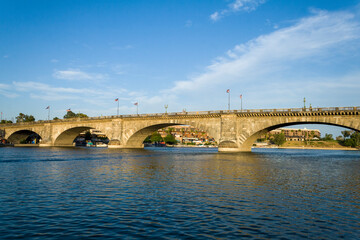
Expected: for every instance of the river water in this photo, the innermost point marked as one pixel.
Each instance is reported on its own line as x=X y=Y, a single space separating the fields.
x=178 y=193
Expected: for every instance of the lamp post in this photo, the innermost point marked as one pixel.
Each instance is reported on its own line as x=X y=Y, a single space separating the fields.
x=166 y=107
x=304 y=104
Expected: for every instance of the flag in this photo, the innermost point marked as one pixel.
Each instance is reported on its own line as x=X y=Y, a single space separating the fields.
x=240 y=96
x=228 y=91
x=68 y=110
x=136 y=103
x=116 y=99
x=48 y=107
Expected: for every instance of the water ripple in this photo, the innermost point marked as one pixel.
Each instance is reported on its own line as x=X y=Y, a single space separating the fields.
x=160 y=193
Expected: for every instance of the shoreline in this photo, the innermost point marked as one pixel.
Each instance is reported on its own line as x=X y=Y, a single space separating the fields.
x=315 y=148
x=303 y=147
x=192 y=146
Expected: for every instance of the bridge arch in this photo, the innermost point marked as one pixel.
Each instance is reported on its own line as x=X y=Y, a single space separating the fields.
x=135 y=137
x=22 y=135
x=136 y=140
x=66 y=138
x=247 y=139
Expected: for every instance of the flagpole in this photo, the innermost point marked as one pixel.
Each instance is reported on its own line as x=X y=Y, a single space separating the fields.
x=229 y=101
x=137 y=108
x=241 y=101
x=49 y=113
x=118 y=108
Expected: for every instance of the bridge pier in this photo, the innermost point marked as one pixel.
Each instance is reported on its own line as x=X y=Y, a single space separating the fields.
x=117 y=144
x=232 y=146
x=45 y=145
x=228 y=135
x=234 y=150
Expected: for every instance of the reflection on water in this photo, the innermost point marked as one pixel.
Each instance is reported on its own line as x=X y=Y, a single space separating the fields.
x=178 y=193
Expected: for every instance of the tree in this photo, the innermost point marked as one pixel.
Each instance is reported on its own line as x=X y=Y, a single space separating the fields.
x=279 y=139
x=328 y=137
x=156 y=137
x=81 y=115
x=346 y=134
x=55 y=118
x=25 y=118
x=147 y=139
x=170 y=139
x=170 y=130
x=5 y=121
x=71 y=114
x=354 y=140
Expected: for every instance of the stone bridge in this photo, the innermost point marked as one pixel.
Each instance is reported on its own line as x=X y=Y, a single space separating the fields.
x=235 y=131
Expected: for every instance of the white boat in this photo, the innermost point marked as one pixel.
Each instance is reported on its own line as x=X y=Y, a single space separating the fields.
x=101 y=144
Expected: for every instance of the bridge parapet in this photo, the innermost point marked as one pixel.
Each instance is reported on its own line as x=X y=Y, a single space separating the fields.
x=301 y=112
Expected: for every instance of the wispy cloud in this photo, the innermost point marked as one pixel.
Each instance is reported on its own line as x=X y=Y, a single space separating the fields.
x=48 y=92
x=309 y=39
x=6 y=91
x=237 y=6
x=75 y=74
x=4 y=86
x=120 y=69
x=97 y=98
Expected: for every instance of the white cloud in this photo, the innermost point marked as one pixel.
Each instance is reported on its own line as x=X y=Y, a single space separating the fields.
x=6 y=91
x=246 y=5
x=75 y=74
x=238 y=5
x=36 y=86
x=258 y=60
x=215 y=16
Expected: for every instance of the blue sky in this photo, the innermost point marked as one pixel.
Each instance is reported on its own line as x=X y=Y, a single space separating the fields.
x=84 y=54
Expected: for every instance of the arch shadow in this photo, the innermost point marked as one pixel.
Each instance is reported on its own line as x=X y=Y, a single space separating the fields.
x=67 y=137
x=24 y=136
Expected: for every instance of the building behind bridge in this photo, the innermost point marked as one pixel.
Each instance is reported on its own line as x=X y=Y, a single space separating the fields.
x=296 y=134
x=188 y=135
